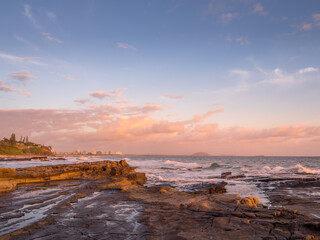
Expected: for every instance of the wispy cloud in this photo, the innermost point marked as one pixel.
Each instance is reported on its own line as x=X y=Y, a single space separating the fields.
x=258 y=8
x=176 y=6
x=175 y=96
x=315 y=22
x=283 y=78
x=17 y=59
x=199 y=118
x=5 y=88
x=305 y=26
x=21 y=39
x=242 y=41
x=22 y=75
x=308 y=70
x=28 y=14
x=243 y=74
x=316 y=19
x=228 y=17
x=82 y=101
x=51 y=16
x=49 y=36
x=126 y=46
x=116 y=93
x=64 y=76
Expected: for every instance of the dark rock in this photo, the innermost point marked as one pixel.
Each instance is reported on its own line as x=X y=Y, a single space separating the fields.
x=237 y=176
x=217 y=188
x=225 y=174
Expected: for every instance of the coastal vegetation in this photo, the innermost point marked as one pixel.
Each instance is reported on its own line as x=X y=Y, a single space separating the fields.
x=22 y=147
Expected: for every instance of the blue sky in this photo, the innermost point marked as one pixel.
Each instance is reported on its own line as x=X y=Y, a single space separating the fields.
x=256 y=61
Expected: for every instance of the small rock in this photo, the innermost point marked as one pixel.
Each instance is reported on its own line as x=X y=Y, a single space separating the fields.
x=225 y=174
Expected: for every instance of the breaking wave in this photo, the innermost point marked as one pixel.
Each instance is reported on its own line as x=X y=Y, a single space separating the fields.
x=297 y=169
x=181 y=164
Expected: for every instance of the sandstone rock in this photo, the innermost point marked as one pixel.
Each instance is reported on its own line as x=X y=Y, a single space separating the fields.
x=10 y=177
x=249 y=201
x=7 y=172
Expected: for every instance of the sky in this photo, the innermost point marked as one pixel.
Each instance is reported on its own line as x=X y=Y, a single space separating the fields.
x=162 y=76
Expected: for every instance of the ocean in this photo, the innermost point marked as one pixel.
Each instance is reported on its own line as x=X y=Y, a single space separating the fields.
x=248 y=176
x=276 y=181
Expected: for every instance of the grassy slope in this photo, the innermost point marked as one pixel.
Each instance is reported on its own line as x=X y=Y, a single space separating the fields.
x=6 y=149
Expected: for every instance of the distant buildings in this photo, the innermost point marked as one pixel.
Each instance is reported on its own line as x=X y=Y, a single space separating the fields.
x=93 y=152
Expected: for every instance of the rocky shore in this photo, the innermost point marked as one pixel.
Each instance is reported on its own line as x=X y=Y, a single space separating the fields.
x=107 y=200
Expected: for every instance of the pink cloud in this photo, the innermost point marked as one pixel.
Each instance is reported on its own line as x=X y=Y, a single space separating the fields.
x=258 y=8
x=305 y=26
x=116 y=93
x=228 y=17
x=22 y=75
x=133 y=129
x=82 y=101
x=175 y=96
x=49 y=36
x=126 y=46
x=199 y=118
x=5 y=88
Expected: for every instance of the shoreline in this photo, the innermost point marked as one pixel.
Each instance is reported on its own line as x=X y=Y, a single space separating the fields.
x=162 y=211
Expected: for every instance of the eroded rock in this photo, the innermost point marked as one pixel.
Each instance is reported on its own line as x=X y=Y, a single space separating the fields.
x=10 y=177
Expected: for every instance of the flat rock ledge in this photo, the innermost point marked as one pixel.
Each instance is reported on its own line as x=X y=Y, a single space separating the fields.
x=171 y=214
x=168 y=213
x=10 y=177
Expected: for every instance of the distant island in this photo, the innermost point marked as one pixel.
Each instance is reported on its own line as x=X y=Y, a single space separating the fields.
x=201 y=154
x=22 y=147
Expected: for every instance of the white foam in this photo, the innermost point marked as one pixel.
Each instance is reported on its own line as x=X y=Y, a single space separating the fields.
x=301 y=169
x=181 y=164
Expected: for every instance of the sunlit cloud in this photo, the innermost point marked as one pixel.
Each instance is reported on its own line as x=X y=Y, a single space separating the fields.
x=51 y=16
x=243 y=74
x=242 y=41
x=308 y=70
x=28 y=14
x=228 y=17
x=316 y=19
x=17 y=59
x=305 y=26
x=315 y=22
x=116 y=93
x=5 y=88
x=280 y=77
x=199 y=117
x=49 y=36
x=126 y=46
x=175 y=96
x=258 y=8
x=82 y=101
x=130 y=131
x=22 y=75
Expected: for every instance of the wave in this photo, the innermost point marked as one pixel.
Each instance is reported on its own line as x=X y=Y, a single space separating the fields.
x=181 y=164
x=214 y=165
x=297 y=169
x=302 y=169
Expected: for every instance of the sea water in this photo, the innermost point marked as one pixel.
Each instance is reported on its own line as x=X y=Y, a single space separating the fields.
x=186 y=173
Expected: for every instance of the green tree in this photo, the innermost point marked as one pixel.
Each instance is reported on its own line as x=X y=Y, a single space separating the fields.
x=27 y=140
x=24 y=139
x=20 y=139
x=13 y=140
